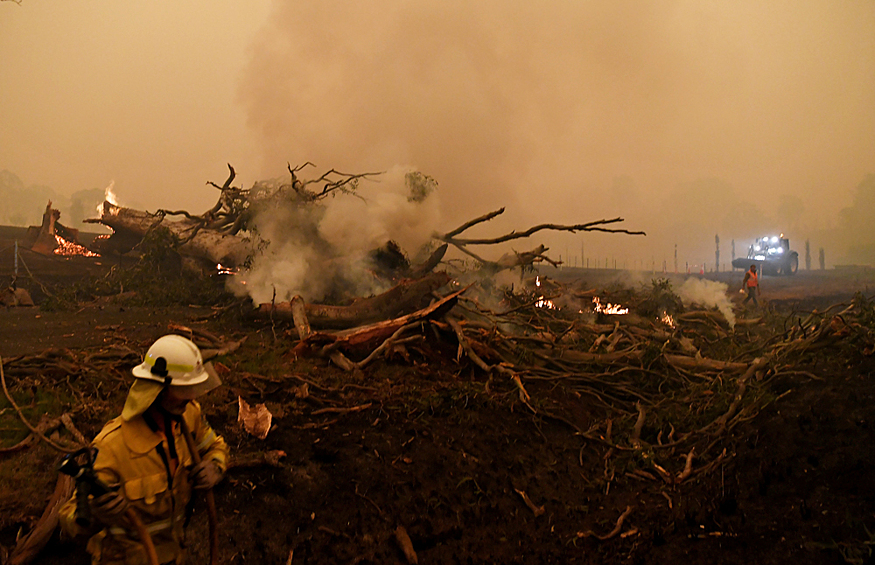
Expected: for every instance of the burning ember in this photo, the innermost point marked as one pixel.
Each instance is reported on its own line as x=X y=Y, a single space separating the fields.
x=667 y=319
x=542 y=302
x=68 y=248
x=223 y=270
x=609 y=309
x=548 y=304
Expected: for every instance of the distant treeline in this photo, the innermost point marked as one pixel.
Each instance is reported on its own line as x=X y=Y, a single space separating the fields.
x=23 y=205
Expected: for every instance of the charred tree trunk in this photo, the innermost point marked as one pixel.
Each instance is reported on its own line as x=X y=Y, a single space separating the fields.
x=395 y=301
x=195 y=241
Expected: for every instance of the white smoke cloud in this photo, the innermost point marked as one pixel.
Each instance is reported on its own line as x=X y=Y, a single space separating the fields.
x=707 y=293
x=383 y=212
x=321 y=249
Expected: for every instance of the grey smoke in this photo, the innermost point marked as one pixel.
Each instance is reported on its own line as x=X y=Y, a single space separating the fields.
x=708 y=294
x=320 y=249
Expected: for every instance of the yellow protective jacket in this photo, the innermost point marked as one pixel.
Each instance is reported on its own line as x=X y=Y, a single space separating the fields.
x=130 y=454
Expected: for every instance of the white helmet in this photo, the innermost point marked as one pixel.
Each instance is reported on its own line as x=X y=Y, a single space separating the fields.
x=175 y=358
x=171 y=361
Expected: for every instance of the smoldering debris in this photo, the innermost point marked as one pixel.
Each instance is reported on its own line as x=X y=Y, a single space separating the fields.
x=708 y=294
x=671 y=390
x=321 y=237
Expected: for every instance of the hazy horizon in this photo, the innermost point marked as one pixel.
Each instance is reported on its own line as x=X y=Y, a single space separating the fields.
x=688 y=119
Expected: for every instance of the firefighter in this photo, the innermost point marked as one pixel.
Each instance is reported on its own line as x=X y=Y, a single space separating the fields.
x=144 y=454
x=752 y=285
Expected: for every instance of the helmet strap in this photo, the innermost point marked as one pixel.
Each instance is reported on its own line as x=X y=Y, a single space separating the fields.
x=167 y=420
x=160 y=368
x=168 y=432
x=158 y=405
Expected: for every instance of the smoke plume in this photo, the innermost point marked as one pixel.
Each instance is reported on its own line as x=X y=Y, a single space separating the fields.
x=322 y=250
x=708 y=294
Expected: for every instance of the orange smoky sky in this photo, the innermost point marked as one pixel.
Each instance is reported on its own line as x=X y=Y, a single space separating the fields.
x=689 y=119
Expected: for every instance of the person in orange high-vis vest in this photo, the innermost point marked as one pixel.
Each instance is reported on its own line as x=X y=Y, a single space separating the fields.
x=752 y=285
x=144 y=454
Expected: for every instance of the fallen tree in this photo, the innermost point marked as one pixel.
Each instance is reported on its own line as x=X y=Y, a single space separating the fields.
x=398 y=300
x=213 y=246
x=222 y=234
x=228 y=235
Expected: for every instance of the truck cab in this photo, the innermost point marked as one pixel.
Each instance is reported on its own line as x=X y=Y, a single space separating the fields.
x=772 y=255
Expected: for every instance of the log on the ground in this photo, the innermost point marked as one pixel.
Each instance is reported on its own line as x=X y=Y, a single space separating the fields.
x=197 y=241
x=397 y=300
x=702 y=363
x=299 y=315
x=573 y=356
x=712 y=316
x=29 y=546
x=430 y=263
x=373 y=334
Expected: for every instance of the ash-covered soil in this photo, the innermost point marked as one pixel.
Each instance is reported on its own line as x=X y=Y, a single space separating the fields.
x=460 y=463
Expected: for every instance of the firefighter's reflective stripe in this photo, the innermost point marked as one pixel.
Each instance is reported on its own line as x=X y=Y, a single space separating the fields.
x=149 y=360
x=209 y=438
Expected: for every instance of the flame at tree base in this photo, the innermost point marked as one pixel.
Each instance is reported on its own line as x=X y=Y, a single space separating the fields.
x=70 y=249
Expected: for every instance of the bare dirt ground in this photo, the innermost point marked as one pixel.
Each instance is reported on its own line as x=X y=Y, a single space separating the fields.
x=455 y=458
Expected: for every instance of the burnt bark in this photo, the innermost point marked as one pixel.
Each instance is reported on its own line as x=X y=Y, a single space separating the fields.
x=195 y=241
x=400 y=299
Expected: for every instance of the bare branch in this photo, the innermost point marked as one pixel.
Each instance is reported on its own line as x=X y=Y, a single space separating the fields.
x=589 y=226
x=232 y=174
x=299 y=168
x=347 y=182
x=466 y=225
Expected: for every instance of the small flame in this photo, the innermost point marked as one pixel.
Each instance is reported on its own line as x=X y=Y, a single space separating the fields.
x=542 y=302
x=667 y=319
x=68 y=248
x=108 y=196
x=548 y=304
x=609 y=309
x=223 y=270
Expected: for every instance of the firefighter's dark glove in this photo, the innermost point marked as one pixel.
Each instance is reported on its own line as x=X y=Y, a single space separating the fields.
x=206 y=474
x=109 y=508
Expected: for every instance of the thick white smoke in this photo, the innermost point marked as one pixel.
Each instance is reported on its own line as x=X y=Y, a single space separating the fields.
x=385 y=211
x=318 y=250
x=572 y=111
x=707 y=293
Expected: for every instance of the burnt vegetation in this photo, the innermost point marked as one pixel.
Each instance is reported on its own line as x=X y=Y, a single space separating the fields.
x=456 y=419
